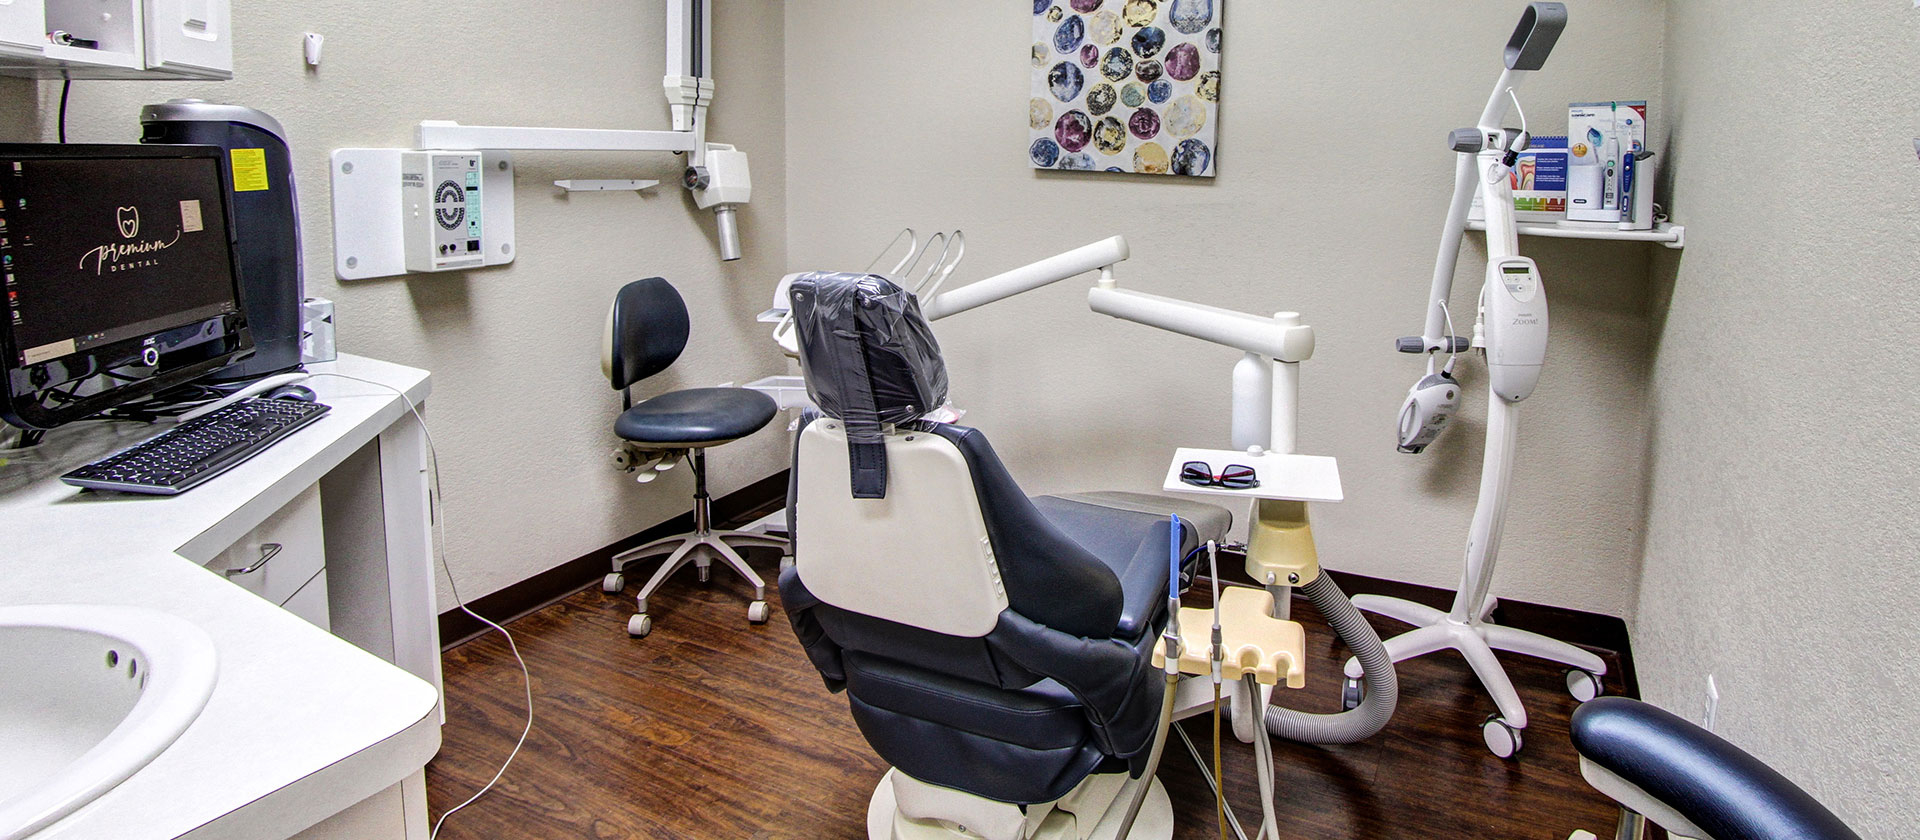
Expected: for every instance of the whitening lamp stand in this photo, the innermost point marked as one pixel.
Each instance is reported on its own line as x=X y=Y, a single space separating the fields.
x=1465 y=628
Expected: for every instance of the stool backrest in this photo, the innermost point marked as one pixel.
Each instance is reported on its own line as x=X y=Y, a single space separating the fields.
x=647 y=328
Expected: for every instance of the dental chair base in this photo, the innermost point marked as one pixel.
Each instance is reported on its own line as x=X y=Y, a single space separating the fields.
x=905 y=808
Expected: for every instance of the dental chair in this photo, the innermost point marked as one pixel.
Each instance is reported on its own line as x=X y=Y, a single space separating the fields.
x=995 y=649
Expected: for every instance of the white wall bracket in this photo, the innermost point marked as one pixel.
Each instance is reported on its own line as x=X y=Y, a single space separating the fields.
x=615 y=185
x=368 y=233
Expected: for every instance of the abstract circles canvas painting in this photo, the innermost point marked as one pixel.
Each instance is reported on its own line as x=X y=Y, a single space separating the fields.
x=1125 y=86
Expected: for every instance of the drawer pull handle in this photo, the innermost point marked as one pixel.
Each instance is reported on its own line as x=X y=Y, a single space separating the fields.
x=268 y=551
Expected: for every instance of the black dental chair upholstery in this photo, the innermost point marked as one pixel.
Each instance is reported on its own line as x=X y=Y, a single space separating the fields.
x=1707 y=781
x=1063 y=684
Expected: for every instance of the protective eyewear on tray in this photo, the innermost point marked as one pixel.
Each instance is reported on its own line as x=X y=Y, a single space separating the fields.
x=1234 y=477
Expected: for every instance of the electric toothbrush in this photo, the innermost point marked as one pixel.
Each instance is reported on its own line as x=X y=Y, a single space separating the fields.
x=1610 y=157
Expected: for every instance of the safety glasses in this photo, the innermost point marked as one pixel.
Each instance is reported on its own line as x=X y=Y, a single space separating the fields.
x=1234 y=477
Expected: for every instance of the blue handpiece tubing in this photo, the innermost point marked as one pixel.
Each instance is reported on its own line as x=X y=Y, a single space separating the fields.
x=1173 y=557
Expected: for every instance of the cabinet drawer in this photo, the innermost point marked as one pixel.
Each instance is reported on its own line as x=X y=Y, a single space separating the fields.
x=293 y=537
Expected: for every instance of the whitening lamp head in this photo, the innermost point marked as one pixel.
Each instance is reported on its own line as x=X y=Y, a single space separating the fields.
x=1431 y=402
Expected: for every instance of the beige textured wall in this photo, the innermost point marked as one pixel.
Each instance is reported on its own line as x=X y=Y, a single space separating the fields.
x=521 y=415
x=1781 y=535
x=1334 y=178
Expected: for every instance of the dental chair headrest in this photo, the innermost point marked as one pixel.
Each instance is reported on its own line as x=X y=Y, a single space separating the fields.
x=870 y=361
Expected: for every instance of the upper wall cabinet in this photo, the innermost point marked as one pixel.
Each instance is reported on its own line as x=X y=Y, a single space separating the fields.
x=116 y=39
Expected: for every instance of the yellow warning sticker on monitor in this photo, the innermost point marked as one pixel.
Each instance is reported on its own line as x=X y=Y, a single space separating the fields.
x=249 y=170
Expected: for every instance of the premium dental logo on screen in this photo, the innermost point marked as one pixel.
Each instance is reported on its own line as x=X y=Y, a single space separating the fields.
x=135 y=253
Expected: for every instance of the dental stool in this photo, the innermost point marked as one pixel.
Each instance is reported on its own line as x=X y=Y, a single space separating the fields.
x=1688 y=780
x=995 y=649
x=647 y=328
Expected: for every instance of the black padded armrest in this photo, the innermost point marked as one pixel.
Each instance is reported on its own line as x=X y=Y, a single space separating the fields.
x=1718 y=786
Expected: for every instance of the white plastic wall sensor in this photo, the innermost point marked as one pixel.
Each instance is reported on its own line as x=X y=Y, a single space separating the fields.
x=311 y=46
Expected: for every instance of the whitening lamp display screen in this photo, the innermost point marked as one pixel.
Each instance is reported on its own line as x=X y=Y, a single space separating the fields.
x=100 y=250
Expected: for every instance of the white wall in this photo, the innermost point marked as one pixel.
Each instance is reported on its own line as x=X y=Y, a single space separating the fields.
x=1781 y=535
x=1334 y=178
x=522 y=417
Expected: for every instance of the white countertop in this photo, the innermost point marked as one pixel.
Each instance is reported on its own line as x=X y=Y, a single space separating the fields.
x=301 y=724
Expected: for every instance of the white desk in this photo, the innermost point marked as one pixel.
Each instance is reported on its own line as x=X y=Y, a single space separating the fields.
x=303 y=725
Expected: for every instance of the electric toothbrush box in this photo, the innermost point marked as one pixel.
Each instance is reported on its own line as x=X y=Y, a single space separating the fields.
x=1539 y=182
x=1600 y=135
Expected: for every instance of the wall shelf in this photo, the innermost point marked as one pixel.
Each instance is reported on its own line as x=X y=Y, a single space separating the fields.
x=1671 y=235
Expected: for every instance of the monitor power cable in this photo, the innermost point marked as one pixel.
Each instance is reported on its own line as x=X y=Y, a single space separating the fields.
x=440 y=555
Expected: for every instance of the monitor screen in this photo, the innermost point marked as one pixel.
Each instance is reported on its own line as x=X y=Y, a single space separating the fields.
x=114 y=259
x=101 y=250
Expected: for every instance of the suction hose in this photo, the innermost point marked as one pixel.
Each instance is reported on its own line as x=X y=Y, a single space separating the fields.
x=1153 y=760
x=1382 y=686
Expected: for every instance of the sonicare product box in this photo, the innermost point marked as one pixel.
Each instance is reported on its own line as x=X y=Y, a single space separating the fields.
x=1600 y=136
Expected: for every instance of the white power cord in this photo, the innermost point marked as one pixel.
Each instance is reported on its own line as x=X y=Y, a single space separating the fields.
x=440 y=539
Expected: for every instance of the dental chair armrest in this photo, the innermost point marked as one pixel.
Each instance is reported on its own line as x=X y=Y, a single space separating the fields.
x=1710 y=782
x=1143 y=582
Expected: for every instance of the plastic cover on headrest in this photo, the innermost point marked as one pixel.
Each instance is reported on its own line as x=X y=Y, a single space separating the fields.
x=870 y=360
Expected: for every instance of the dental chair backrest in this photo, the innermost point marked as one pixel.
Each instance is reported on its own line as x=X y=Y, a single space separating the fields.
x=874 y=366
x=898 y=518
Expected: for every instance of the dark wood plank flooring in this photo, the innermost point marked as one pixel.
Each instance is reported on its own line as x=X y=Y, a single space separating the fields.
x=712 y=728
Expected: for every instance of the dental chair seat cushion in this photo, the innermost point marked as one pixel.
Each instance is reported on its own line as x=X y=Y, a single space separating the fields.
x=1718 y=786
x=1211 y=521
x=1129 y=540
x=697 y=416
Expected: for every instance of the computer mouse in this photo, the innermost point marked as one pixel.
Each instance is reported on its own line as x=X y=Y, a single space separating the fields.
x=293 y=392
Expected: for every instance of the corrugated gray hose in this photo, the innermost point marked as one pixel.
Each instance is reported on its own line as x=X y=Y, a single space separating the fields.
x=1382 y=685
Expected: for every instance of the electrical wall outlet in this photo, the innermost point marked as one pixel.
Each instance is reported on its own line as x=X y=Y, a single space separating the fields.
x=1710 y=716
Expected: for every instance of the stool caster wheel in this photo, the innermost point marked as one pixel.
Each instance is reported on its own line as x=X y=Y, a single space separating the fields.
x=706 y=574
x=640 y=625
x=1502 y=738
x=1583 y=685
x=1350 y=694
x=758 y=612
x=613 y=583
x=786 y=562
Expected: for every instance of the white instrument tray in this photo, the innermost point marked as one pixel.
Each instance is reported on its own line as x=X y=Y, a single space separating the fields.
x=1304 y=478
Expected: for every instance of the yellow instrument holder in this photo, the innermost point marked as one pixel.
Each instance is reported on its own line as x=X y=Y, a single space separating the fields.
x=1253 y=640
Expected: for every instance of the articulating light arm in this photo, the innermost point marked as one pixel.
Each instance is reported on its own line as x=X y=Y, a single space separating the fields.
x=1099 y=255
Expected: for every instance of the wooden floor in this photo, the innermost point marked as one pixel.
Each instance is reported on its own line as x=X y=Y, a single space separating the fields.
x=712 y=728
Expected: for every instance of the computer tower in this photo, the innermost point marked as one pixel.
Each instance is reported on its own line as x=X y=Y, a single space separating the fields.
x=266 y=218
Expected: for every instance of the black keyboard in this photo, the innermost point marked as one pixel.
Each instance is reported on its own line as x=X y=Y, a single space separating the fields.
x=186 y=455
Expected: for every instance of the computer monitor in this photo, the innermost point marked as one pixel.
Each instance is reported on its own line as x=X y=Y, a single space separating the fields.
x=120 y=275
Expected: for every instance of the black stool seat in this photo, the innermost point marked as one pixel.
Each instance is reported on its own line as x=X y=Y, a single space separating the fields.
x=697 y=415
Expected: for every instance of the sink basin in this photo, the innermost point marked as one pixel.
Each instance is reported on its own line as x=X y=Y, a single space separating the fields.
x=88 y=696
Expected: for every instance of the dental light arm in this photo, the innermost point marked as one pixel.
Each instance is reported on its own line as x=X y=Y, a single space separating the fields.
x=1099 y=255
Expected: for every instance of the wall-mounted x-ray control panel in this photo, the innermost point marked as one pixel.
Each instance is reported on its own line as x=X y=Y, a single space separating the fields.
x=404 y=210
x=442 y=209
